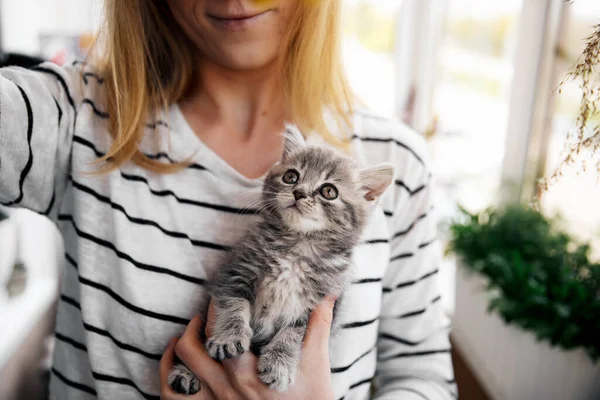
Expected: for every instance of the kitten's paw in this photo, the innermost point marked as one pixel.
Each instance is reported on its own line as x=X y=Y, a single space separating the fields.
x=227 y=345
x=183 y=381
x=277 y=370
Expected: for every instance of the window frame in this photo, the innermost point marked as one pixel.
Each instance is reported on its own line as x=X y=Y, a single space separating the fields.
x=419 y=30
x=531 y=97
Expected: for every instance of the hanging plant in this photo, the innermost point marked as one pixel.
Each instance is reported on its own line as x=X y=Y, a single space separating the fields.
x=582 y=144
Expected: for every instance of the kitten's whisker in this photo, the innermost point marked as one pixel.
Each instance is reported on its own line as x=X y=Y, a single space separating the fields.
x=250 y=207
x=258 y=204
x=269 y=185
x=256 y=207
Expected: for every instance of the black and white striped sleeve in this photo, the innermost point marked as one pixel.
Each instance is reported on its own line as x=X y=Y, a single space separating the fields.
x=37 y=118
x=414 y=360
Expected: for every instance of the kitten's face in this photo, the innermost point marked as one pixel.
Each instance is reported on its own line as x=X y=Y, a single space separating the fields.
x=315 y=188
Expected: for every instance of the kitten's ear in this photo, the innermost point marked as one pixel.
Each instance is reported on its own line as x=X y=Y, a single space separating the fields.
x=375 y=180
x=292 y=140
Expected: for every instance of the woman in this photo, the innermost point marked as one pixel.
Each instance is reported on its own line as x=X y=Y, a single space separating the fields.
x=149 y=158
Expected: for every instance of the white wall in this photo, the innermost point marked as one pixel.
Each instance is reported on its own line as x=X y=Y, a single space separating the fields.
x=21 y=21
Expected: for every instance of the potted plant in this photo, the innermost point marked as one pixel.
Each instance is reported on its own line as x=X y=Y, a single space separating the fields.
x=528 y=302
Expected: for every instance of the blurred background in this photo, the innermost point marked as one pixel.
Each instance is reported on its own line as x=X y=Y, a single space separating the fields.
x=477 y=78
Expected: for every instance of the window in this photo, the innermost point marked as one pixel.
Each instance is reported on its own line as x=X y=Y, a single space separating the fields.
x=54 y=29
x=455 y=59
x=369 y=47
x=471 y=107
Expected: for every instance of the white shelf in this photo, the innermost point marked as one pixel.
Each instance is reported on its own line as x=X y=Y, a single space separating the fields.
x=39 y=249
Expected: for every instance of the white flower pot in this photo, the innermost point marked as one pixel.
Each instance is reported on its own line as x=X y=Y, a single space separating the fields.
x=508 y=361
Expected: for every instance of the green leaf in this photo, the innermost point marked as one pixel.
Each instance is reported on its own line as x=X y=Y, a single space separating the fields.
x=539 y=277
x=562 y=310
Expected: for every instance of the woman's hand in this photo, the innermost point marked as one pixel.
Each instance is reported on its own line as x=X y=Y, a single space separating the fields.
x=167 y=362
x=237 y=378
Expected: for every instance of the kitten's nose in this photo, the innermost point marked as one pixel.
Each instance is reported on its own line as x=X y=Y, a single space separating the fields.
x=299 y=194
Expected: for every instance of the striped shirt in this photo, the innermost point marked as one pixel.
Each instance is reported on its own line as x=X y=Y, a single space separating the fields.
x=139 y=245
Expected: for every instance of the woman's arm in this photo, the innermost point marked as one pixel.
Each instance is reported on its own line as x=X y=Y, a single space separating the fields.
x=37 y=118
x=413 y=347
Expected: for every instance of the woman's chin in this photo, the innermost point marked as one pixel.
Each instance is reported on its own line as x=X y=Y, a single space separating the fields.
x=241 y=63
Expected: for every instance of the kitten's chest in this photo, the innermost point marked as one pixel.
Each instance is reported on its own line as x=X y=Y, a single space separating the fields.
x=287 y=291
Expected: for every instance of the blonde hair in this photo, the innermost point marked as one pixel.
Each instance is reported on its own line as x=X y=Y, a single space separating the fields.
x=147 y=63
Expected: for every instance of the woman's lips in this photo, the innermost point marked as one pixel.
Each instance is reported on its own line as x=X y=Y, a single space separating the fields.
x=236 y=22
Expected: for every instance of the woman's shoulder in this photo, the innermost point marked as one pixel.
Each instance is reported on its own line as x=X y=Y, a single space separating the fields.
x=379 y=139
x=87 y=77
x=73 y=85
x=68 y=75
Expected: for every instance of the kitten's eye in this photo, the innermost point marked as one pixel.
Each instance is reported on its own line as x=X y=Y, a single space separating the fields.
x=329 y=192
x=291 y=177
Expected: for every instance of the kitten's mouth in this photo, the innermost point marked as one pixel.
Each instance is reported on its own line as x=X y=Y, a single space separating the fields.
x=295 y=208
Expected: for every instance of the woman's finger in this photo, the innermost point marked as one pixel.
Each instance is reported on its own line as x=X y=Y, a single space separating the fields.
x=242 y=372
x=316 y=341
x=191 y=351
x=210 y=319
x=167 y=362
x=319 y=325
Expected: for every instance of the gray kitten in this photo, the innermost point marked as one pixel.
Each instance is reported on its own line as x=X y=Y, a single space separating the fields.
x=315 y=204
